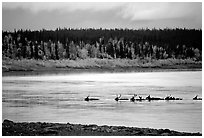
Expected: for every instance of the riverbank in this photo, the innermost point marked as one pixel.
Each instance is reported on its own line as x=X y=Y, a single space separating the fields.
x=10 y=128
x=38 y=67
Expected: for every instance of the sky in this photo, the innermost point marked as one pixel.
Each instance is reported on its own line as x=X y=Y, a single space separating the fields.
x=132 y=15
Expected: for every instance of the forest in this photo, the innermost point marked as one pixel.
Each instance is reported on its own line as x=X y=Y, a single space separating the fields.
x=68 y=43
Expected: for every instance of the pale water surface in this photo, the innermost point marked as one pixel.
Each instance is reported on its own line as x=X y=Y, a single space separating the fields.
x=60 y=98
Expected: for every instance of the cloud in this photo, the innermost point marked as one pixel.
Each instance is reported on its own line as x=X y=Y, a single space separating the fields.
x=101 y=14
x=157 y=11
x=132 y=11
x=62 y=6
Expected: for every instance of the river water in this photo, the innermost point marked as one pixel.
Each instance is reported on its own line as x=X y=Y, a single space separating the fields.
x=60 y=98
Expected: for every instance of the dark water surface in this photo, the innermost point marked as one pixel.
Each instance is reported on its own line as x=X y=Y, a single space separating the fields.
x=60 y=98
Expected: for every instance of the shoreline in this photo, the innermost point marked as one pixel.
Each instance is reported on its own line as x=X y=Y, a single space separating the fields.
x=41 y=67
x=10 y=128
x=80 y=71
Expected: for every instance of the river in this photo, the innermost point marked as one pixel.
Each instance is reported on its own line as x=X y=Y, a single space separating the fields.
x=60 y=98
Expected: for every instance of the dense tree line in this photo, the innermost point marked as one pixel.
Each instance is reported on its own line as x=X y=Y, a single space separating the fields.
x=103 y=43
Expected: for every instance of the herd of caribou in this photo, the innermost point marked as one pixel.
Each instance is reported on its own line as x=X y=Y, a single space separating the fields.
x=134 y=98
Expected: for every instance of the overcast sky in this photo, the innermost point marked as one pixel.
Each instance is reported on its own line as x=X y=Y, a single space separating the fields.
x=36 y=16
